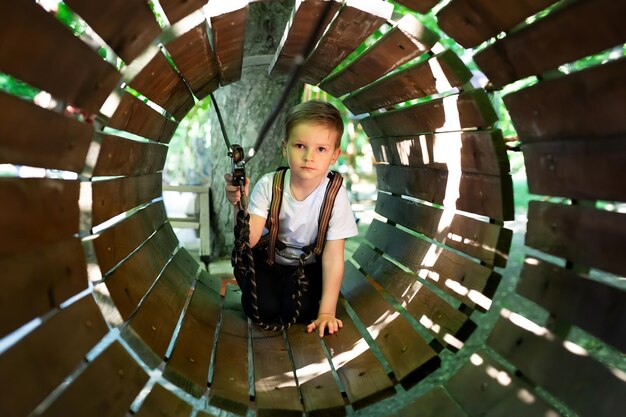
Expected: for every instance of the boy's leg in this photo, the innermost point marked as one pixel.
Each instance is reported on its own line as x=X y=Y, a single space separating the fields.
x=268 y=288
x=310 y=300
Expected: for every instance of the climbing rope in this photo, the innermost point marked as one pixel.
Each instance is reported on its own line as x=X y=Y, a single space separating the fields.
x=242 y=258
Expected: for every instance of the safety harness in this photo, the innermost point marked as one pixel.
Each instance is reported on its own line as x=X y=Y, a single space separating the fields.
x=243 y=260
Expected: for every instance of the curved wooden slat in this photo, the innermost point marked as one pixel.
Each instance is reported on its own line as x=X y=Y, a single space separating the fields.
x=112 y=197
x=483 y=387
x=130 y=282
x=118 y=378
x=119 y=156
x=320 y=393
x=439 y=74
x=301 y=24
x=487 y=242
x=163 y=85
x=194 y=58
x=188 y=366
x=579 y=234
x=563 y=36
x=37 y=212
x=592 y=390
x=228 y=23
x=162 y=402
x=435 y=403
x=32 y=136
x=133 y=116
x=487 y=195
x=355 y=21
x=478 y=152
x=581 y=301
x=127 y=26
x=169 y=292
x=470 y=22
x=583 y=105
x=455 y=112
x=409 y=356
x=51 y=57
x=275 y=386
x=36 y=281
x=67 y=336
x=405 y=41
x=176 y=10
x=454 y=274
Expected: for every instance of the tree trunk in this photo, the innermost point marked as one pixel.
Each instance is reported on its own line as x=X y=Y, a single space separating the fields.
x=244 y=106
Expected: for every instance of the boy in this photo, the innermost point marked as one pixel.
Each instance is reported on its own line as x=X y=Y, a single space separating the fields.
x=313 y=133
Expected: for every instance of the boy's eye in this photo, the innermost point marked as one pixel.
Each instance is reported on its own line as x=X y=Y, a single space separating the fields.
x=298 y=145
x=320 y=149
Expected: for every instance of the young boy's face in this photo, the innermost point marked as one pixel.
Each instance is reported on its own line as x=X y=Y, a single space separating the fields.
x=311 y=149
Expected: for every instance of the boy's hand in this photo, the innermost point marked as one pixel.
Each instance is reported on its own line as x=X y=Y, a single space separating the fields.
x=324 y=321
x=233 y=194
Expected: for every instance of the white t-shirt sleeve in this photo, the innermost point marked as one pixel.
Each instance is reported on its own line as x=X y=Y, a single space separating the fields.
x=261 y=196
x=342 y=224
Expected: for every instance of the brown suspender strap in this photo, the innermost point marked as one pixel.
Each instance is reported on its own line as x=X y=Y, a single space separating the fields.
x=325 y=212
x=272 y=218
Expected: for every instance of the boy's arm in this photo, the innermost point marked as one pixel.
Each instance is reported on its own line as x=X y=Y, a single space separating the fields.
x=233 y=194
x=332 y=275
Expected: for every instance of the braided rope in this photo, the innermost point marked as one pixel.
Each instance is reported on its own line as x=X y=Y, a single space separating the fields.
x=242 y=261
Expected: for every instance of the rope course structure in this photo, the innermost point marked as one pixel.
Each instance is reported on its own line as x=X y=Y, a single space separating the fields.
x=105 y=314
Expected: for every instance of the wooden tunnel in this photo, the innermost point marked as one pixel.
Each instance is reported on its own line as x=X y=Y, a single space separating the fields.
x=110 y=316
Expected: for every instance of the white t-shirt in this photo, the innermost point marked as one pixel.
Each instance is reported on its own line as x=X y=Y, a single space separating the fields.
x=298 y=220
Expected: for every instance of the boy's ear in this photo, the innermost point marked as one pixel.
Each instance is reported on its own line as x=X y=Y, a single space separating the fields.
x=283 y=145
x=336 y=155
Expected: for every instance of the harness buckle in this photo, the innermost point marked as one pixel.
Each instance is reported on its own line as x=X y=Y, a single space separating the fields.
x=237 y=165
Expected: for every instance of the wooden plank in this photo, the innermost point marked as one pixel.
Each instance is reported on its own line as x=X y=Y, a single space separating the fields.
x=471 y=22
x=106 y=388
x=439 y=317
x=163 y=403
x=116 y=243
x=579 y=234
x=302 y=23
x=435 y=403
x=563 y=36
x=479 y=152
x=275 y=384
x=317 y=383
x=112 y=197
x=455 y=112
x=586 y=104
x=229 y=388
x=487 y=242
x=188 y=367
x=488 y=195
x=586 y=386
x=439 y=74
x=409 y=356
x=454 y=274
x=579 y=300
x=50 y=55
x=37 y=212
x=133 y=116
x=67 y=337
x=128 y=27
x=160 y=83
x=228 y=23
x=360 y=372
x=554 y=168
x=32 y=136
x=176 y=10
x=36 y=281
x=131 y=280
x=355 y=21
x=168 y=294
x=483 y=387
x=422 y=6
x=405 y=41
x=119 y=156
x=194 y=58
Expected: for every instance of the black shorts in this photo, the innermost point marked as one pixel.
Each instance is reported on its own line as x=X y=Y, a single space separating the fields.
x=276 y=291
